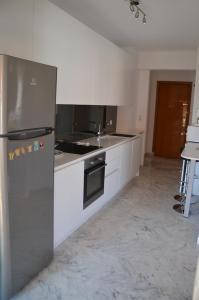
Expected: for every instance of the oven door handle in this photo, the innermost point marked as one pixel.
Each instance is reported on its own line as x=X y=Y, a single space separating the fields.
x=89 y=173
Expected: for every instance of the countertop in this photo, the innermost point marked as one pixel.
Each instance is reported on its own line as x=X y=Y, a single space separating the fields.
x=106 y=142
x=191 y=151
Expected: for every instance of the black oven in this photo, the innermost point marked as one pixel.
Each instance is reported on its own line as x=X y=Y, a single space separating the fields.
x=94 y=173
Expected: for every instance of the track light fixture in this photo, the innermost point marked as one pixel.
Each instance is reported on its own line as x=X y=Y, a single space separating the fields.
x=134 y=7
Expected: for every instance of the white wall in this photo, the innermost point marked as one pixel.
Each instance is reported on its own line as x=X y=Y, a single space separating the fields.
x=16 y=28
x=126 y=117
x=134 y=117
x=142 y=104
x=196 y=94
x=142 y=94
x=187 y=76
x=167 y=60
x=156 y=60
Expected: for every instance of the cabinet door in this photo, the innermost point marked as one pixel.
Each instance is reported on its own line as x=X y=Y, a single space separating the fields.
x=68 y=201
x=136 y=157
x=112 y=185
x=112 y=174
x=125 y=170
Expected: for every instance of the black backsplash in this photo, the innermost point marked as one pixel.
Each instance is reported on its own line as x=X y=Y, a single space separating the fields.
x=64 y=119
x=88 y=118
x=75 y=122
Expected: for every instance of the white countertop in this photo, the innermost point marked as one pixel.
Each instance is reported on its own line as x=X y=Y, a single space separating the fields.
x=106 y=142
x=191 y=151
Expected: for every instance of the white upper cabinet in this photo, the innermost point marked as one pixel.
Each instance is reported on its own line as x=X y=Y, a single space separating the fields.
x=111 y=75
x=91 y=70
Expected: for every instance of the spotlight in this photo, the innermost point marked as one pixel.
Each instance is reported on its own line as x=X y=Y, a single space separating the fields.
x=144 y=19
x=137 y=14
x=134 y=8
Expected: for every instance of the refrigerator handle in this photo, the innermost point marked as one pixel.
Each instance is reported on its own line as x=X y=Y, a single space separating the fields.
x=29 y=134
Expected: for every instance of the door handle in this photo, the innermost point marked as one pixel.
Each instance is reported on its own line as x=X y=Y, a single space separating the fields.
x=29 y=134
x=89 y=173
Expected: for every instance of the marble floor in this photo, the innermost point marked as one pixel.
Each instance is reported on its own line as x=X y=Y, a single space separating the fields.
x=136 y=248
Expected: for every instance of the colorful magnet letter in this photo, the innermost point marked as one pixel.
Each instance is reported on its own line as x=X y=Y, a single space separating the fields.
x=23 y=150
x=11 y=155
x=41 y=144
x=36 y=146
x=29 y=148
x=17 y=151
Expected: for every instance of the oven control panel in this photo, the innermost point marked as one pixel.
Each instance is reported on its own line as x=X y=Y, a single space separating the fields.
x=95 y=160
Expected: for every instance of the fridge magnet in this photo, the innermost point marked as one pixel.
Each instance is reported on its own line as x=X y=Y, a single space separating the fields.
x=41 y=144
x=11 y=155
x=29 y=148
x=17 y=152
x=36 y=146
x=23 y=150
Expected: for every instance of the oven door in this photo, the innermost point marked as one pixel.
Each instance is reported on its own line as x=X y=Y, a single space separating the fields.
x=93 y=183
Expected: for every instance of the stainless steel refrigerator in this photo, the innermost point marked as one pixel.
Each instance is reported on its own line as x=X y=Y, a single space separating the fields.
x=27 y=118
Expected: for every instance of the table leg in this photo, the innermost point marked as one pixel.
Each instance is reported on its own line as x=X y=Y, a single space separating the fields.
x=189 y=188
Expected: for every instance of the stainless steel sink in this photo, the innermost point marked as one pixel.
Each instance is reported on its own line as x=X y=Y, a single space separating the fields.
x=123 y=135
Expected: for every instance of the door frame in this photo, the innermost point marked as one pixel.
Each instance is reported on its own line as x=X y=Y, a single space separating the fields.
x=157 y=102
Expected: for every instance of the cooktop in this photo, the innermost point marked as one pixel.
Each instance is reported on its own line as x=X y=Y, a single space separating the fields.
x=74 y=148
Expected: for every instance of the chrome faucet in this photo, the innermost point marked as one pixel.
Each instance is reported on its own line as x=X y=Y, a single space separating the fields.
x=100 y=132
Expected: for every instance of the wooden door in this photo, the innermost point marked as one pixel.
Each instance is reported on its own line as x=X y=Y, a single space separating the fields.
x=172 y=117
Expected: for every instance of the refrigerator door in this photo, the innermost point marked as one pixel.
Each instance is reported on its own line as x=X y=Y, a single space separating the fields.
x=30 y=199
x=31 y=92
x=5 y=270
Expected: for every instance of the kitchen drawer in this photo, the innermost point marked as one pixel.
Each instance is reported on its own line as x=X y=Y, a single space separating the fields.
x=113 y=154
x=112 y=185
x=112 y=166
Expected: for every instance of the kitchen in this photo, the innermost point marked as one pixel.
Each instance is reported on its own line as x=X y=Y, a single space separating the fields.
x=92 y=71
x=99 y=175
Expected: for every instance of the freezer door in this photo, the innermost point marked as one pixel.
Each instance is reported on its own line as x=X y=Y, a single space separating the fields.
x=31 y=93
x=30 y=199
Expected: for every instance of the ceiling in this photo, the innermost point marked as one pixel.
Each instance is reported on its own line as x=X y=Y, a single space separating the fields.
x=171 y=24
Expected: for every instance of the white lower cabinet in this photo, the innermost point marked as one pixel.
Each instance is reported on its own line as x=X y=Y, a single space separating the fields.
x=123 y=163
x=130 y=161
x=126 y=161
x=68 y=201
x=112 y=184
x=112 y=174
x=136 y=157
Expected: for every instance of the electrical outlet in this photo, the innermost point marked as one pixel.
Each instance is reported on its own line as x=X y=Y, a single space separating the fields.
x=111 y=122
